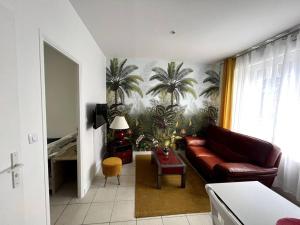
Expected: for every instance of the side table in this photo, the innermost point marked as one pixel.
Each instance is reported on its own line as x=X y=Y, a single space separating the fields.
x=121 y=150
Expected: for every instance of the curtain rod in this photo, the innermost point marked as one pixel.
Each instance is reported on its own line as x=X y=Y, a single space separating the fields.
x=270 y=40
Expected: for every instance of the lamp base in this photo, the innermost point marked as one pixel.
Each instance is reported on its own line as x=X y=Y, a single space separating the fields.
x=120 y=135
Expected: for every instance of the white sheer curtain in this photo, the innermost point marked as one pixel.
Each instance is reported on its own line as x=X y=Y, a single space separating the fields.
x=266 y=103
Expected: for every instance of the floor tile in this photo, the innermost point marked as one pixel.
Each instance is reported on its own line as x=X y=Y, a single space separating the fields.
x=123 y=211
x=99 y=213
x=60 y=199
x=107 y=194
x=99 y=181
x=152 y=221
x=125 y=193
x=128 y=169
x=127 y=181
x=132 y=222
x=175 y=220
x=64 y=194
x=73 y=214
x=88 y=198
x=203 y=219
x=100 y=224
x=56 y=211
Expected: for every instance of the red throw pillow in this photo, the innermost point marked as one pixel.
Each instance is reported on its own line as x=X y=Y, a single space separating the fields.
x=288 y=221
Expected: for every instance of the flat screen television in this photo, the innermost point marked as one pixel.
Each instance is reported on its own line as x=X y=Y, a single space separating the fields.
x=100 y=115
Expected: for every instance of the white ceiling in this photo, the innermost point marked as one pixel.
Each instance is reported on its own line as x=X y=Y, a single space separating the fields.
x=206 y=30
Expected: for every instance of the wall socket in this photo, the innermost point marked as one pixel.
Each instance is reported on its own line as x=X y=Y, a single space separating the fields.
x=33 y=138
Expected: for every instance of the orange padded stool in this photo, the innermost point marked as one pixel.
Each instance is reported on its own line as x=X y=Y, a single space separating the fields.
x=112 y=167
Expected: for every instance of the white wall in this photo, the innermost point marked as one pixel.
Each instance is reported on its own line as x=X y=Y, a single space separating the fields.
x=61 y=82
x=58 y=22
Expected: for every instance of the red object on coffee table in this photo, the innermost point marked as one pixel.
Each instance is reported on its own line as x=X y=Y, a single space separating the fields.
x=170 y=164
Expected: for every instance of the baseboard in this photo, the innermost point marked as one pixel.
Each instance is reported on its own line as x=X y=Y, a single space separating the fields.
x=98 y=168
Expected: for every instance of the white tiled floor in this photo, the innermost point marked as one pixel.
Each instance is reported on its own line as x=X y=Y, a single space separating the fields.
x=112 y=205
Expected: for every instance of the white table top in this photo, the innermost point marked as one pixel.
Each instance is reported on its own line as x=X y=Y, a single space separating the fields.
x=255 y=204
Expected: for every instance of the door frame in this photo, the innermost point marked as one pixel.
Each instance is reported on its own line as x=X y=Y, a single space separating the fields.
x=44 y=39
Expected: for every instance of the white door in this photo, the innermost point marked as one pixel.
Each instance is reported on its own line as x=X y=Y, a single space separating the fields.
x=11 y=195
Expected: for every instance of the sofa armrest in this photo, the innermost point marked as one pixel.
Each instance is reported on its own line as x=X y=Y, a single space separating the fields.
x=194 y=140
x=243 y=170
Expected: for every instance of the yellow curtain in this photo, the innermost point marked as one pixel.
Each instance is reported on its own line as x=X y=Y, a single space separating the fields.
x=227 y=93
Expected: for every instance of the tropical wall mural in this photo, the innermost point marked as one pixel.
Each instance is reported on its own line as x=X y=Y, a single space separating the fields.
x=162 y=101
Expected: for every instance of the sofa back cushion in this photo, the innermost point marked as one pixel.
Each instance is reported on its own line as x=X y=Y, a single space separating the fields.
x=218 y=134
x=255 y=150
x=225 y=152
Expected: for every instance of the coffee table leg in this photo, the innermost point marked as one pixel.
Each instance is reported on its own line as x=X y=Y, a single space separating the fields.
x=183 y=178
x=158 y=181
x=152 y=158
x=159 y=174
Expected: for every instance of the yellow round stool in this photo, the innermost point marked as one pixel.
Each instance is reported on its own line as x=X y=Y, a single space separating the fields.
x=111 y=167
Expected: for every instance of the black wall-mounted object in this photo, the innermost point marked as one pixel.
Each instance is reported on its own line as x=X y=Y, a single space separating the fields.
x=100 y=115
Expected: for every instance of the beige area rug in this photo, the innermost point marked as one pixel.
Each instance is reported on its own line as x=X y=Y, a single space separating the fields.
x=170 y=199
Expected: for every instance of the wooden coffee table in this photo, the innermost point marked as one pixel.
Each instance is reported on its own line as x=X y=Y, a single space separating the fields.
x=168 y=165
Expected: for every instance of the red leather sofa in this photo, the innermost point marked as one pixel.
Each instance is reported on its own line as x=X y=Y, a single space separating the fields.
x=226 y=156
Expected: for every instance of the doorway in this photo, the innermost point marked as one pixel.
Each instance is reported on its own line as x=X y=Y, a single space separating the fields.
x=61 y=88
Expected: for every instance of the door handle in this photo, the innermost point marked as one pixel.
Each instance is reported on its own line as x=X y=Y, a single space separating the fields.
x=13 y=169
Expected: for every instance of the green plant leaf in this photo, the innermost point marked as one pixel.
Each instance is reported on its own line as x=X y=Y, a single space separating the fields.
x=184 y=73
x=160 y=71
x=189 y=90
x=188 y=81
x=212 y=73
x=212 y=80
x=122 y=65
x=171 y=70
x=157 y=89
x=159 y=77
x=179 y=67
x=160 y=110
x=210 y=91
x=127 y=70
x=121 y=94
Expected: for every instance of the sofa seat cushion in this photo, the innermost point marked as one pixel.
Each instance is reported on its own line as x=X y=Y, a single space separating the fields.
x=242 y=170
x=196 y=151
x=209 y=161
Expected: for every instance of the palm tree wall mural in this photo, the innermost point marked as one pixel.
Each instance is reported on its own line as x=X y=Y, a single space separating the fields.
x=214 y=88
x=170 y=107
x=173 y=81
x=119 y=80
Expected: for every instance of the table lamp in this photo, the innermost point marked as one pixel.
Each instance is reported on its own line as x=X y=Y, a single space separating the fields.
x=119 y=124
